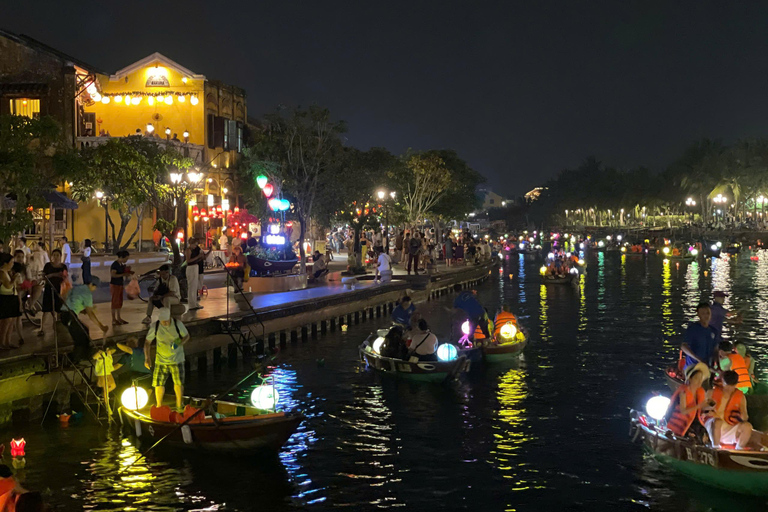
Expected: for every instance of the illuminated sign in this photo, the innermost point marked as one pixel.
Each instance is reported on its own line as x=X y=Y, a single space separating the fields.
x=157 y=77
x=275 y=239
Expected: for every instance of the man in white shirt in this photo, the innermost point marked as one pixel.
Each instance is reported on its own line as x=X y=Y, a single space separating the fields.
x=223 y=242
x=383 y=268
x=66 y=252
x=170 y=336
x=423 y=343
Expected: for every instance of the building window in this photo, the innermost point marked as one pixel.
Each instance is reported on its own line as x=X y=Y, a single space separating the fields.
x=491 y=201
x=25 y=107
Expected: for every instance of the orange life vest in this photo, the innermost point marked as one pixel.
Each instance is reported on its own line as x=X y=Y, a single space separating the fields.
x=732 y=411
x=739 y=365
x=678 y=422
x=8 y=501
x=501 y=319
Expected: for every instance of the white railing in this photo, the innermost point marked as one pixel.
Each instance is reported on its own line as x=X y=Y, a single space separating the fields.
x=193 y=151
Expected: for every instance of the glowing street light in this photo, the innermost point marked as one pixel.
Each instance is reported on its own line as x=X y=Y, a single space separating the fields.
x=690 y=202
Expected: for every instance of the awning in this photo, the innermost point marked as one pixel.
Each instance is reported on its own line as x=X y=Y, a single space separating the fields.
x=59 y=200
x=24 y=88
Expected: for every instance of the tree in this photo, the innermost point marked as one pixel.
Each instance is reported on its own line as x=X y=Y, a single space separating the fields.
x=298 y=149
x=33 y=158
x=424 y=180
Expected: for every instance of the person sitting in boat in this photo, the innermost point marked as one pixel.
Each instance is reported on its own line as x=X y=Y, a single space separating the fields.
x=730 y=360
x=675 y=252
x=741 y=349
x=466 y=302
x=687 y=400
x=402 y=313
x=700 y=340
x=170 y=336
x=504 y=317
x=726 y=420
x=423 y=344
x=394 y=344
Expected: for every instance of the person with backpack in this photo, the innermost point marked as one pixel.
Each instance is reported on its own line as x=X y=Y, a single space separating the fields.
x=170 y=335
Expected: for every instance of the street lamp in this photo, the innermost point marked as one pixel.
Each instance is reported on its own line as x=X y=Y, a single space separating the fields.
x=720 y=199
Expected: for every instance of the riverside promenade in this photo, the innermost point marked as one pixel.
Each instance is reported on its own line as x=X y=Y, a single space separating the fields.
x=227 y=329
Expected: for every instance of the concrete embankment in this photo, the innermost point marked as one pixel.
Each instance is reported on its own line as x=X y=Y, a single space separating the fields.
x=28 y=384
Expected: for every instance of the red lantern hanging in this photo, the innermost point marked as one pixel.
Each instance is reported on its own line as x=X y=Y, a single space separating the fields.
x=237 y=209
x=203 y=212
x=195 y=210
x=268 y=189
x=17 y=447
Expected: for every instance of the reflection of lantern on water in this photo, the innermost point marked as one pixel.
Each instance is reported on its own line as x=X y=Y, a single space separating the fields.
x=17 y=447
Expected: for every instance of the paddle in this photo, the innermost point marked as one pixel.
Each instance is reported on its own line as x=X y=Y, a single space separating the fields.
x=217 y=397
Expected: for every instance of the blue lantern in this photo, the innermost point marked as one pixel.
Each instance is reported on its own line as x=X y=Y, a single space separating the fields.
x=447 y=352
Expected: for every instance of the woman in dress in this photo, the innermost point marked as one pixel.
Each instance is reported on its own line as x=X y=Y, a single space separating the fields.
x=86 y=259
x=448 y=250
x=9 y=302
x=238 y=258
x=54 y=271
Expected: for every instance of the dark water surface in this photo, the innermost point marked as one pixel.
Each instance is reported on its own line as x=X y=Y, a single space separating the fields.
x=548 y=433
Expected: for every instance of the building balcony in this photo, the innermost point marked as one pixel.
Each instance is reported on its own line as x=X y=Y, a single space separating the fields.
x=193 y=151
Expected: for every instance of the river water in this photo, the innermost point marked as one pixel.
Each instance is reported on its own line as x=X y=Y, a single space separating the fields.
x=548 y=433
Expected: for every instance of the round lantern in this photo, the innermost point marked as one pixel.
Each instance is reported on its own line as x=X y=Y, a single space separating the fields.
x=268 y=189
x=265 y=397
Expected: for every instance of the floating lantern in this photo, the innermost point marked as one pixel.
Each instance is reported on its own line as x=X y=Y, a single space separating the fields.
x=268 y=189
x=447 y=352
x=543 y=270
x=261 y=180
x=657 y=407
x=265 y=397
x=134 y=398
x=377 y=344
x=17 y=447
x=465 y=327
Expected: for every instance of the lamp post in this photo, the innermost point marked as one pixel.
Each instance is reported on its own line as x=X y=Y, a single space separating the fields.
x=720 y=200
x=690 y=203
x=383 y=197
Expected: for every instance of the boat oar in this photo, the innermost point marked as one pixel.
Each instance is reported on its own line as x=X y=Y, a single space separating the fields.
x=217 y=397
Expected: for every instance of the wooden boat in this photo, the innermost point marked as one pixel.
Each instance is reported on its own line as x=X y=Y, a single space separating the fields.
x=237 y=428
x=430 y=371
x=686 y=258
x=262 y=266
x=740 y=471
x=497 y=353
x=757 y=400
x=566 y=279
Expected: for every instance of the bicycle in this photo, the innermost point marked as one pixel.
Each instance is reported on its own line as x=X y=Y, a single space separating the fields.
x=33 y=313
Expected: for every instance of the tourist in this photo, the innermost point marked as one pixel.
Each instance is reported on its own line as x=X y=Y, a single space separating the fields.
x=729 y=360
x=86 y=260
x=195 y=258
x=399 y=246
x=700 y=340
x=504 y=317
x=319 y=266
x=394 y=344
x=726 y=421
x=103 y=367
x=79 y=300
x=423 y=344
x=383 y=268
x=688 y=399
x=166 y=294
x=414 y=249
x=39 y=258
x=23 y=284
x=9 y=302
x=349 y=243
x=238 y=271
x=118 y=272
x=718 y=313
x=223 y=242
x=170 y=335
x=466 y=302
x=66 y=252
x=448 y=250
x=54 y=274
x=403 y=311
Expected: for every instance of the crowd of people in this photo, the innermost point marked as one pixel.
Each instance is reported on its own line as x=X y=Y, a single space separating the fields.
x=711 y=401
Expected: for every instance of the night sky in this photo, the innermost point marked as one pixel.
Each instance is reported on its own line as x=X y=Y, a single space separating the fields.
x=519 y=89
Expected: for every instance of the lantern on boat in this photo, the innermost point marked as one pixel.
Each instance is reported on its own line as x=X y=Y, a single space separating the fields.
x=601 y=244
x=657 y=407
x=508 y=331
x=543 y=270
x=665 y=250
x=134 y=398
x=377 y=344
x=465 y=328
x=574 y=271
x=265 y=397
x=17 y=447
x=447 y=352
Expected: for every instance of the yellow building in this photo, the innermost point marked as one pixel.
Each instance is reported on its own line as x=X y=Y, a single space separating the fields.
x=157 y=97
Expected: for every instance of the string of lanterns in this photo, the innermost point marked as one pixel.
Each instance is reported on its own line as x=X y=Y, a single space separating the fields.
x=135 y=98
x=275 y=204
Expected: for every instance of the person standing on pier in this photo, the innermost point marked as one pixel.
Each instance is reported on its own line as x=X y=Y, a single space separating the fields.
x=170 y=336
x=195 y=258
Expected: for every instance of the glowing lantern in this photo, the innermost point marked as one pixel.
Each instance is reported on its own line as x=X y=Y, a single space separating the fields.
x=160 y=98
x=377 y=344
x=543 y=270
x=96 y=97
x=665 y=250
x=268 y=189
x=134 y=398
x=447 y=352
x=694 y=252
x=118 y=99
x=105 y=99
x=244 y=235
x=284 y=205
x=261 y=180
x=193 y=100
x=135 y=100
x=508 y=331
x=465 y=327
x=127 y=99
x=601 y=244
x=265 y=397
x=274 y=204
x=182 y=98
x=657 y=407
x=274 y=229
x=17 y=447
x=169 y=100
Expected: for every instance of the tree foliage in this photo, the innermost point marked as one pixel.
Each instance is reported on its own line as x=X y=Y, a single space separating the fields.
x=423 y=181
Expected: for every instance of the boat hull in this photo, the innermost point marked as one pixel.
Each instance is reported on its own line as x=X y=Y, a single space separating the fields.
x=427 y=371
x=569 y=279
x=739 y=471
x=268 y=434
x=504 y=352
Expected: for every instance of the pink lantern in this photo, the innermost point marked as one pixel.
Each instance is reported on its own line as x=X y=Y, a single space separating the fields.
x=268 y=189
